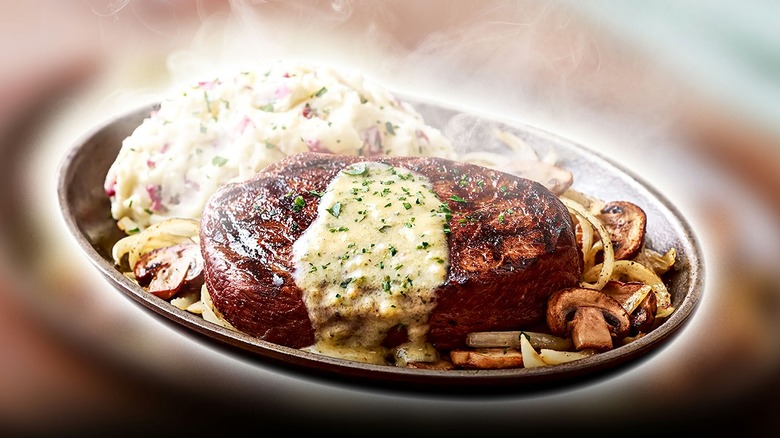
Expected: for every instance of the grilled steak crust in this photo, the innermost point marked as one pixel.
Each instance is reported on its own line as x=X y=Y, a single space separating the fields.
x=512 y=244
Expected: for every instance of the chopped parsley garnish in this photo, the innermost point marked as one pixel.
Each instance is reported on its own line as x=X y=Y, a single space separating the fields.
x=407 y=205
x=345 y=283
x=457 y=198
x=322 y=91
x=444 y=208
x=389 y=127
x=356 y=170
x=219 y=161
x=392 y=249
x=335 y=210
x=298 y=203
x=269 y=108
x=386 y=283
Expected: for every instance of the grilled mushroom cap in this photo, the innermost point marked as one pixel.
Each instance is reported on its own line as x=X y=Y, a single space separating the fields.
x=626 y=224
x=167 y=271
x=591 y=317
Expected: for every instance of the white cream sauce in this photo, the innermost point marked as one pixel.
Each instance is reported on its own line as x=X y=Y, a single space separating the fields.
x=372 y=259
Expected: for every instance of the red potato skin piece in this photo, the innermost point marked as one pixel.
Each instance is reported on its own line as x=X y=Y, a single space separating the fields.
x=502 y=266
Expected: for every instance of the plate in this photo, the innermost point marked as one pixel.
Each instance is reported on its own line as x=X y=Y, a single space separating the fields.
x=86 y=211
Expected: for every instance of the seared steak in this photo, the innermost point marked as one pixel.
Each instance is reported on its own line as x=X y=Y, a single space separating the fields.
x=512 y=244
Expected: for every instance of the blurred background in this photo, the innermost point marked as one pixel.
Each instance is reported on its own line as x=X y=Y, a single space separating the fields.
x=686 y=94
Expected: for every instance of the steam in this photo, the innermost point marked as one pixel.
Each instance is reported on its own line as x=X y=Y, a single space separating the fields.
x=107 y=8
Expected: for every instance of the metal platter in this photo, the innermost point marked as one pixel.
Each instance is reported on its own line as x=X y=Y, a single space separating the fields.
x=86 y=211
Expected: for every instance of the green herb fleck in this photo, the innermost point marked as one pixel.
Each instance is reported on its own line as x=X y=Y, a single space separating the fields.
x=335 y=210
x=457 y=198
x=219 y=161
x=389 y=127
x=269 y=108
x=298 y=203
x=356 y=170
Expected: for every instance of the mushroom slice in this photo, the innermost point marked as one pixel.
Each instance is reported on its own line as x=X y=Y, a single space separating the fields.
x=626 y=223
x=590 y=317
x=166 y=271
x=487 y=358
x=638 y=299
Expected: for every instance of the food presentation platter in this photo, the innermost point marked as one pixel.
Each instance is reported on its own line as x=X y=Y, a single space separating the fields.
x=86 y=210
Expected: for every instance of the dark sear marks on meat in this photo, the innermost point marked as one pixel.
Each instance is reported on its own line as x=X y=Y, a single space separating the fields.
x=511 y=243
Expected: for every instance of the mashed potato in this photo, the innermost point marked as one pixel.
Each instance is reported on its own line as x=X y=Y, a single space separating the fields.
x=228 y=128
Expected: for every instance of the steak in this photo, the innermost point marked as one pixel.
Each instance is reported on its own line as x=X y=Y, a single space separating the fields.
x=512 y=243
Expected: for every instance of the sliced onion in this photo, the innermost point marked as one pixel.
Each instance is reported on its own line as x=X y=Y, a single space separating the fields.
x=634 y=271
x=531 y=358
x=520 y=148
x=364 y=355
x=512 y=339
x=555 y=357
x=166 y=233
x=186 y=299
x=208 y=311
x=659 y=263
x=605 y=268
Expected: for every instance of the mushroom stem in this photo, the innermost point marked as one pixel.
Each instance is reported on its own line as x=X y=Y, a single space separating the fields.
x=590 y=329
